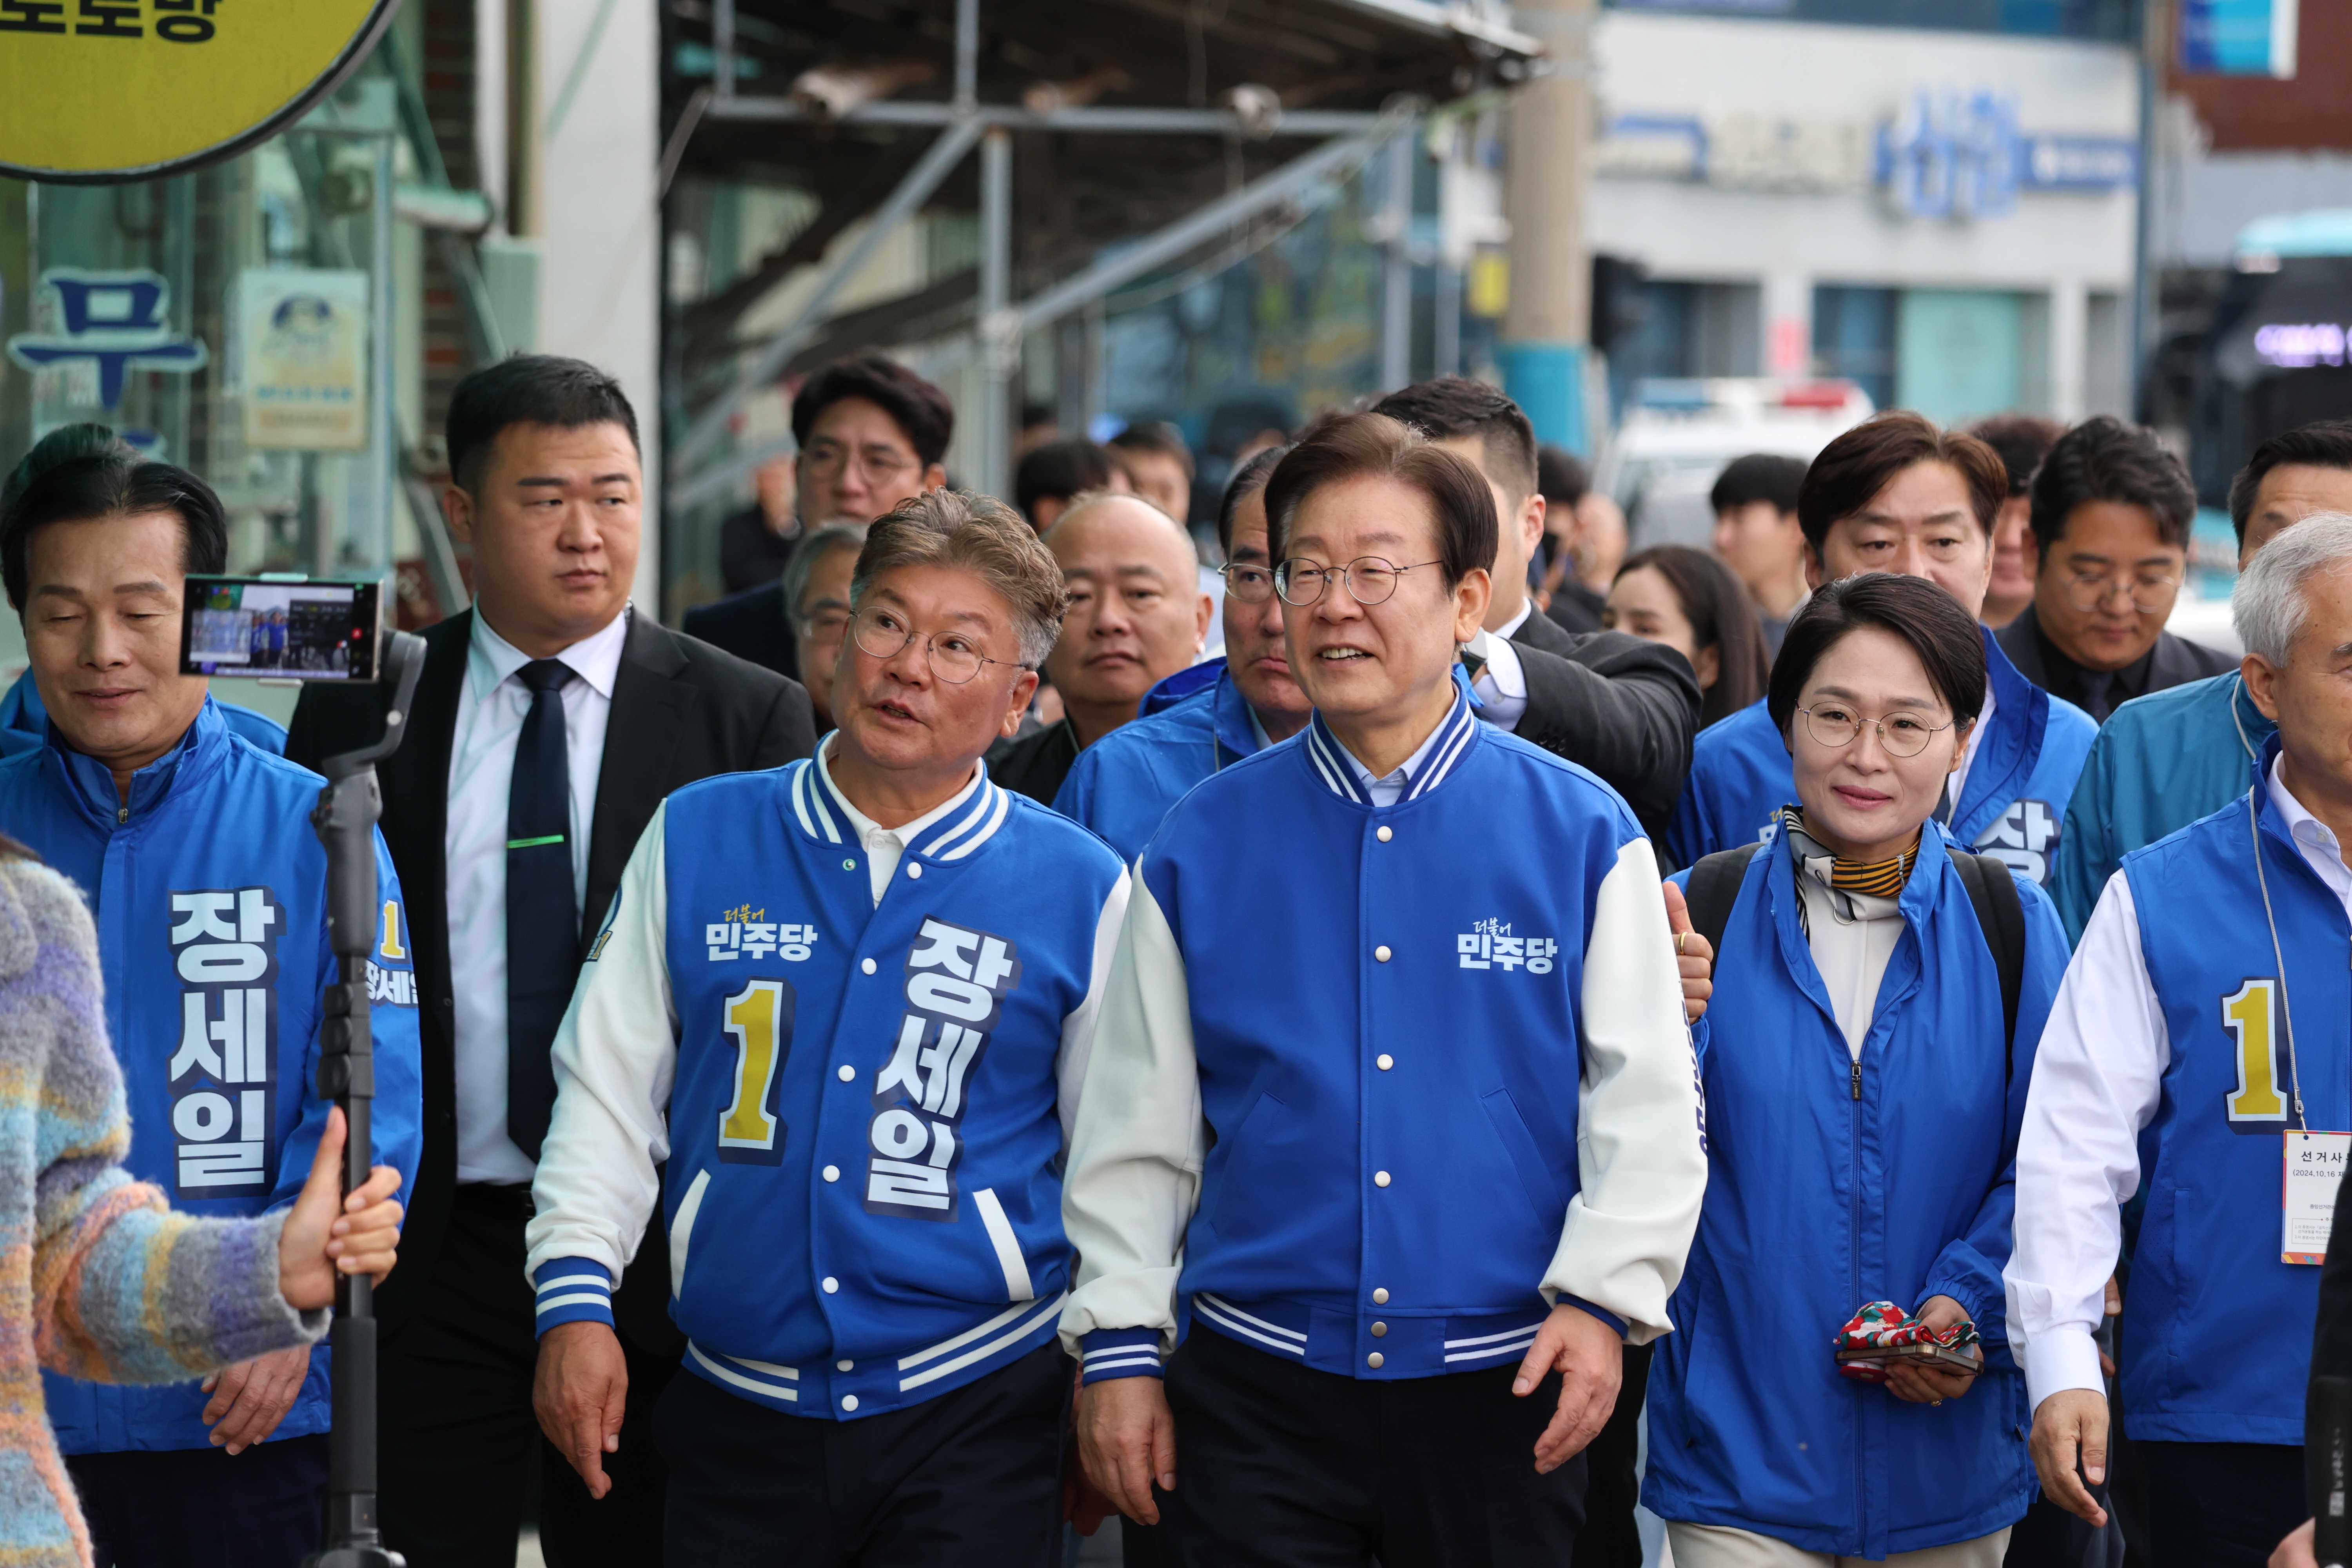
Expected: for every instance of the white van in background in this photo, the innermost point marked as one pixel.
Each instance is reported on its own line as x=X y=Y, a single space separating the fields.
x=1677 y=436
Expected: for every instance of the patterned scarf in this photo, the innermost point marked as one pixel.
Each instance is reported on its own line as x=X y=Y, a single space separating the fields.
x=1882 y=878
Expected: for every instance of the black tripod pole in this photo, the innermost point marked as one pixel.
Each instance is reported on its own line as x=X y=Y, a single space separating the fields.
x=345 y=818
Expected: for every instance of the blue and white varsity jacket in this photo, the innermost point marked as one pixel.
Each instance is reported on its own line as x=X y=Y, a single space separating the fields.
x=863 y=1104
x=2013 y=803
x=1374 y=1088
x=209 y=894
x=1123 y=785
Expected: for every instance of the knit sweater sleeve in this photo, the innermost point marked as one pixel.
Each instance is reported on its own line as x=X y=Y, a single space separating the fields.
x=123 y=1291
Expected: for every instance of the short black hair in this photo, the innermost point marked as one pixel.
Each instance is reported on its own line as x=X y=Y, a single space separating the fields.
x=1248 y=480
x=1561 y=478
x=528 y=389
x=1720 y=617
x=2021 y=441
x=1946 y=638
x=1454 y=406
x=1757 y=476
x=2107 y=460
x=2326 y=444
x=1355 y=445
x=81 y=473
x=1155 y=436
x=921 y=410
x=1060 y=469
x=1861 y=461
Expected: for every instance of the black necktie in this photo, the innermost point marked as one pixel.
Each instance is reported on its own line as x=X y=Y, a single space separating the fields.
x=542 y=909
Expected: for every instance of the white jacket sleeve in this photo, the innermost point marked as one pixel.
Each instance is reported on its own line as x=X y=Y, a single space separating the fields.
x=2098 y=1077
x=1640 y=1150
x=1079 y=1029
x=615 y=1059
x=1134 y=1174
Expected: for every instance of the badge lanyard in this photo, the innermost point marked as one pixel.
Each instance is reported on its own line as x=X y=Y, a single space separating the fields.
x=2286 y=1002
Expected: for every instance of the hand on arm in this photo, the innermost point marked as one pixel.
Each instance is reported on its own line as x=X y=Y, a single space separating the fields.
x=579 y=1394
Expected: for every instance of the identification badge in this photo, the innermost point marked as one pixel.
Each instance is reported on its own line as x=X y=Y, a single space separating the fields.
x=2315 y=1165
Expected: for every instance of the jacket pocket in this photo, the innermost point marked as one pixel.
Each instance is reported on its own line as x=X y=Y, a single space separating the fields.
x=1244 y=1146
x=1535 y=1177
x=681 y=1232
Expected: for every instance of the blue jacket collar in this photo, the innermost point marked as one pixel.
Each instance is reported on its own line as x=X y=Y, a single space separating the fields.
x=953 y=838
x=1230 y=719
x=1457 y=733
x=91 y=782
x=2006 y=756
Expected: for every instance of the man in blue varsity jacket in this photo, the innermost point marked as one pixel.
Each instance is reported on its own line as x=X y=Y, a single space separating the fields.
x=2199 y=1049
x=194 y=849
x=1412 y=1148
x=1895 y=494
x=849 y=1002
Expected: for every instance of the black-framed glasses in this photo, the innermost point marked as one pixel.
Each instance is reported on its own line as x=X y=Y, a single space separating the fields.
x=955 y=657
x=1369 y=579
x=1904 y=733
x=2089 y=591
x=1250 y=582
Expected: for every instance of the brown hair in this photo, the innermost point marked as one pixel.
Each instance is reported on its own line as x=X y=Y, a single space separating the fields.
x=1721 y=618
x=979 y=534
x=1865 y=460
x=1354 y=446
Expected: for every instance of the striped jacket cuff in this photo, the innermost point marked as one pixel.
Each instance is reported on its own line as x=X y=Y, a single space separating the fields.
x=573 y=1290
x=1121 y=1352
x=1616 y=1324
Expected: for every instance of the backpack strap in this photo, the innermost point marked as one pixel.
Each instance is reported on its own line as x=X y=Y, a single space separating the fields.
x=2000 y=913
x=1714 y=889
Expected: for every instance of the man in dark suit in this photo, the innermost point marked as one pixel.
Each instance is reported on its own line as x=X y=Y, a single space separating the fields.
x=1623 y=708
x=551 y=720
x=2111 y=514
x=871 y=432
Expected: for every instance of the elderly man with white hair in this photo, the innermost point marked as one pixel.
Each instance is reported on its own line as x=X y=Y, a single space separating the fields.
x=2201 y=1048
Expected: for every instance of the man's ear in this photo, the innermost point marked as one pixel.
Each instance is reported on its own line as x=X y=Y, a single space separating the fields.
x=934 y=477
x=2261 y=684
x=1024 y=687
x=1531 y=523
x=457 y=510
x=1814 y=575
x=1471 y=597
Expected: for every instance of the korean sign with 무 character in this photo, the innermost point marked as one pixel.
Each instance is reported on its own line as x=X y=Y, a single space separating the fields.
x=100 y=91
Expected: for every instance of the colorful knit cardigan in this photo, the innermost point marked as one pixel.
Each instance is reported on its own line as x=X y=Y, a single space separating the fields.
x=98 y=1278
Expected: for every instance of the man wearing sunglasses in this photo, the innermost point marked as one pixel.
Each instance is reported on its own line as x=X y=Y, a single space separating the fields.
x=849 y=1002
x=2111 y=513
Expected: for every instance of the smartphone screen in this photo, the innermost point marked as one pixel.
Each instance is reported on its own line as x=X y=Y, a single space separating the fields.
x=271 y=628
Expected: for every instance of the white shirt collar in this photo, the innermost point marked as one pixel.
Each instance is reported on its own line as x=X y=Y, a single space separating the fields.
x=864 y=827
x=2318 y=841
x=1395 y=782
x=1510 y=627
x=595 y=659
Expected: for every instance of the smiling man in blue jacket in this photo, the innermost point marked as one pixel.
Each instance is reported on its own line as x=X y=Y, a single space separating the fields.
x=1896 y=494
x=208 y=886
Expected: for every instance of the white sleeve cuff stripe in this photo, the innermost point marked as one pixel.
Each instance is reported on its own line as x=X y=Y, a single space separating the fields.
x=590 y=1281
x=1107 y=1351
x=582 y=1299
x=1147 y=1361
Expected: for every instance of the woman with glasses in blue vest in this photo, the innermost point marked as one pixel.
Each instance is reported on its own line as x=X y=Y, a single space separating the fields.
x=1877 y=997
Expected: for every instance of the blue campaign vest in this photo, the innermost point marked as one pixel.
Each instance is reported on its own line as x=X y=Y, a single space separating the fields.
x=864 y=1196
x=1122 y=785
x=2159 y=763
x=1476 y=1007
x=2012 y=805
x=2214 y=1342
x=209 y=898
x=1817 y=1201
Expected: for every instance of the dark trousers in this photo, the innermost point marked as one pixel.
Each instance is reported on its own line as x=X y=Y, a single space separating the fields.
x=2220 y=1505
x=1280 y=1465
x=459 y=1437
x=970 y=1480
x=205 y=1508
x=1610 y=1537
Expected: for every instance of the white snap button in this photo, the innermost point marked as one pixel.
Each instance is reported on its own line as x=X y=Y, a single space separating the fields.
x=848 y=1073
x=831 y=1284
x=844 y=1366
x=1381 y=1297
x=1385 y=836
x=833 y=1173
x=1379 y=1330
x=849 y=1402
x=1380 y=1178
x=1381 y=953
x=916 y=872
x=1384 y=1061
x=867 y=966
x=849 y=865
x=1373 y=1361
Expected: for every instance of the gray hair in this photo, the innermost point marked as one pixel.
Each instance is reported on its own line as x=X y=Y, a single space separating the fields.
x=981 y=535
x=811 y=554
x=2268 y=605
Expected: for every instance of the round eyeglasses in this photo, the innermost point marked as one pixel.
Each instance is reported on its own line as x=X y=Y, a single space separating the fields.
x=1369 y=579
x=2089 y=591
x=1903 y=733
x=1248 y=581
x=954 y=657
